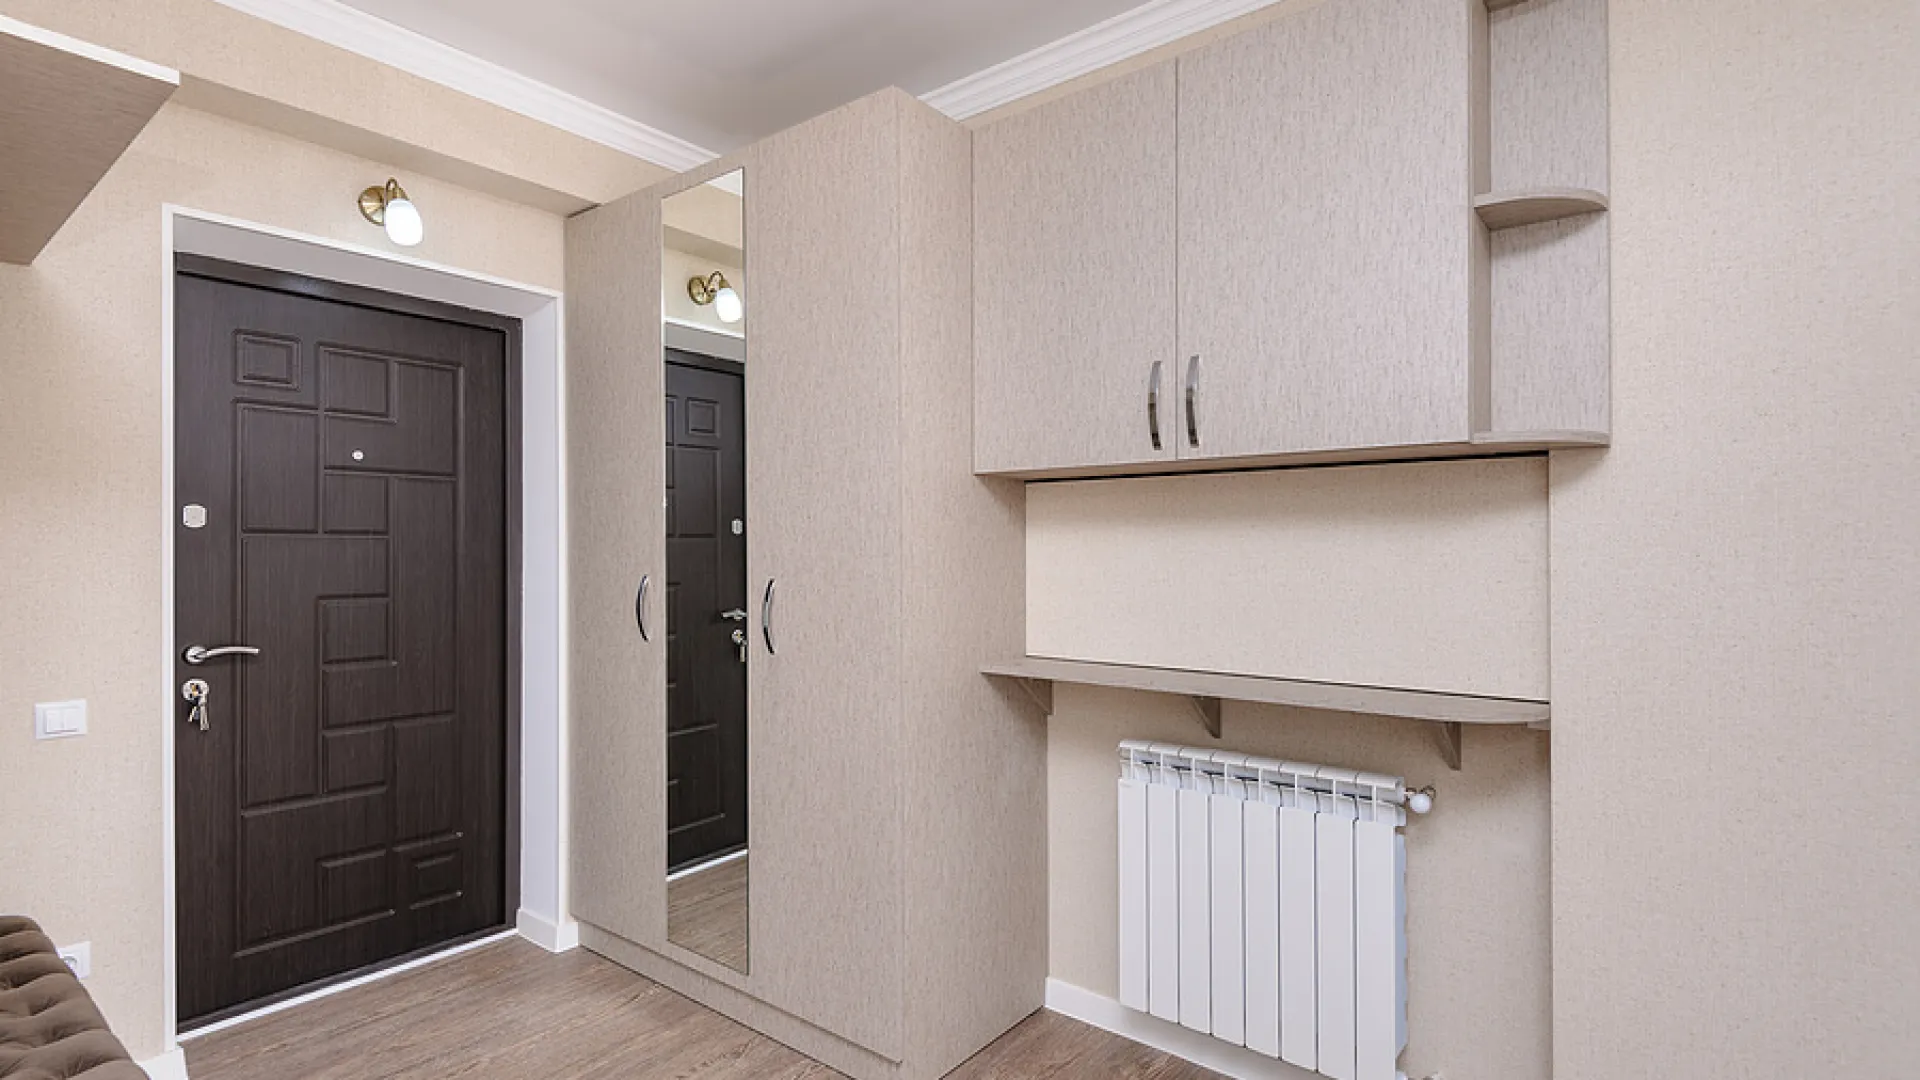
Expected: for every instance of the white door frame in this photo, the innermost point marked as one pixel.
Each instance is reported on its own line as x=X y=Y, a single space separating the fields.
x=543 y=916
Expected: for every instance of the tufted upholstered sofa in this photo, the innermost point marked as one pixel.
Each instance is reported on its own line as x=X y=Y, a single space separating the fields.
x=49 y=1027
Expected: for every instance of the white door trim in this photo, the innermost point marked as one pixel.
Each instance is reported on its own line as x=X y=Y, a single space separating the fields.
x=543 y=916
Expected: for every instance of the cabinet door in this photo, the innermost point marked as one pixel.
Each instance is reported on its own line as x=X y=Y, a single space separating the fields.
x=1327 y=231
x=616 y=536
x=824 y=498
x=1073 y=279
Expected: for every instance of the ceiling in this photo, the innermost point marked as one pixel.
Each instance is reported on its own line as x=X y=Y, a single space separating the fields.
x=722 y=74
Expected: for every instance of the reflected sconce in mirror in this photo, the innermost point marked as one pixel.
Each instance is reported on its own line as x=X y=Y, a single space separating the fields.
x=713 y=289
x=387 y=205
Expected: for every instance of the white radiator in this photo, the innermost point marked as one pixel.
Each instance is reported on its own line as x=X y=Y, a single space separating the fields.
x=1264 y=903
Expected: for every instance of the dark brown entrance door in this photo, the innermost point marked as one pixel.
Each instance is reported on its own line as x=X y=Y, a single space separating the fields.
x=341 y=480
x=706 y=605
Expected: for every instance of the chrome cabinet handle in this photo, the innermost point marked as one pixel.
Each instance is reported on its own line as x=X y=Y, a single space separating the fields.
x=766 y=617
x=640 y=607
x=1193 y=391
x=200 y=654
x=736 y=615
x=1153 y=405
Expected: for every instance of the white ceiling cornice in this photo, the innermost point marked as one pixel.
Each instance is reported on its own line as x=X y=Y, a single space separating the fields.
x=377 y=39
x=1126 y=35
x=1129 y=34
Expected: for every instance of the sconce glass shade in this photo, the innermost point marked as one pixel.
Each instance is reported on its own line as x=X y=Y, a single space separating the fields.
x=387 y=206
x=404 y=226
x=716 y=290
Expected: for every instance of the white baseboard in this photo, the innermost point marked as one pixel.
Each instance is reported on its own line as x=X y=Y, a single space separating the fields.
x=1109 y=1015
x=171 y=1065
x=544 y=932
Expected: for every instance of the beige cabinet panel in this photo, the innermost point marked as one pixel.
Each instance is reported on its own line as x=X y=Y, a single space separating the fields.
x=1429 y=576
x=616 y=534
x=1327 y=231
x=976 y=871
x=824 y=492
x=1074 y=278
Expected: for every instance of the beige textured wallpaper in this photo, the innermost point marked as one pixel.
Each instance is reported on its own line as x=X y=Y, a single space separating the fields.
x=233 y=63
x=1736 y=628
x=80 y=509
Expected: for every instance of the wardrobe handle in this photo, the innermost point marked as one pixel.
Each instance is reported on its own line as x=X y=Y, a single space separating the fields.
x=1153 y=405
x=640 y=607
x=1193 y=390
x=766 y=617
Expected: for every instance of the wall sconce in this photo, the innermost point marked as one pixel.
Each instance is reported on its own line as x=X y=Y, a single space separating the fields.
x=387 y=205
x=713 y=289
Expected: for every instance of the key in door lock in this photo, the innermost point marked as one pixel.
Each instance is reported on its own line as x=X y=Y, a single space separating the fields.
x=197 y=692
x=740 y=639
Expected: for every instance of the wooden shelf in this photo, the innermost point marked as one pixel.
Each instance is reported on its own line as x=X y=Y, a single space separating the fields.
x=71 y=110
x=1204 y=691
x=1512 y=209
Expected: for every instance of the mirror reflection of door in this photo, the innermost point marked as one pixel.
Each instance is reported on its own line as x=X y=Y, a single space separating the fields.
x=703 y=291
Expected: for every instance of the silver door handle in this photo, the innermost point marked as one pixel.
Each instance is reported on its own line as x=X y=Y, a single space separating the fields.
x=200 y=654
x=640 y=607
x=1153 y=405
x=736 y=615
x=766 y=617
x=1193 y=390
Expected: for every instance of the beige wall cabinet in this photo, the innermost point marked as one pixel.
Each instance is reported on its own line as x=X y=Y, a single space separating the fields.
x=1305 y=191
x=1327 y=239
x=898 y=914
x=1074 y=301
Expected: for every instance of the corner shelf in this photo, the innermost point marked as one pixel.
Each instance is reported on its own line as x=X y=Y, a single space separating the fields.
x=72 y=110
x=1205 y=691
x=1533 y=206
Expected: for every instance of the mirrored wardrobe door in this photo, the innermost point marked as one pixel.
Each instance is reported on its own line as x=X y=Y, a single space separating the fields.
x=703 y=294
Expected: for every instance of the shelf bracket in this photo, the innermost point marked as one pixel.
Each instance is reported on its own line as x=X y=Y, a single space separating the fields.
x=1450 y=743
x=1207 y=710
x=1041 y=691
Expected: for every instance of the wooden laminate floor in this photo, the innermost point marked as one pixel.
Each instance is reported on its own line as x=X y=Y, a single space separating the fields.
x=514 y=1012
x=707 y=913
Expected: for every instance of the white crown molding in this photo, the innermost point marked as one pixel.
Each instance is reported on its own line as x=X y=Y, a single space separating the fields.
x=1127 y=34
x=377 y=39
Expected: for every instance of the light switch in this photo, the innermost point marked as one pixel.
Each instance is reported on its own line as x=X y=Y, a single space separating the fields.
x=59 y=719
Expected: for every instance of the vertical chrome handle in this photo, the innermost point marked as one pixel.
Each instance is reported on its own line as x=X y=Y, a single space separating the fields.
x=1153 y=405
x=640 y=607
x=766 y=617
x=1193 y=390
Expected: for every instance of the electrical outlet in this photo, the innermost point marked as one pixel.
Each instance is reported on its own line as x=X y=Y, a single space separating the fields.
x=79 y=958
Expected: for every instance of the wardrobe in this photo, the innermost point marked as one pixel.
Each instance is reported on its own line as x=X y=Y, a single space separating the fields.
x=897 y=797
